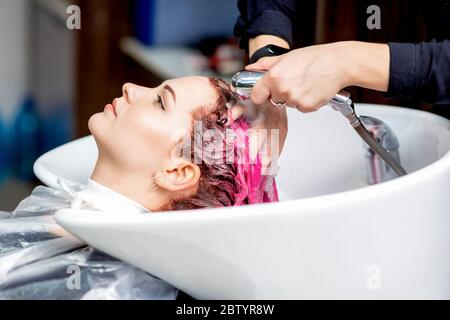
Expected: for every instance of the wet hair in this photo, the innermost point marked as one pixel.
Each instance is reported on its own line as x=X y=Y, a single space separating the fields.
x=227 y=175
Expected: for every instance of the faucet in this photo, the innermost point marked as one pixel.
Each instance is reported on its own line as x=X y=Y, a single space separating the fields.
x=377 y=170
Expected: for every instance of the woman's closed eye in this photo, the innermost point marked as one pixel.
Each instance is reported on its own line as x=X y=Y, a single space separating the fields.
x=160 y=101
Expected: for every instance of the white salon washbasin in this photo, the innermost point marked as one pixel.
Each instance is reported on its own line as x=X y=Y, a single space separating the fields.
x=332 y=236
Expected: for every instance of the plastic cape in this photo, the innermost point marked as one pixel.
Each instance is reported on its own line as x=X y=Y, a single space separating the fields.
x=40 y=260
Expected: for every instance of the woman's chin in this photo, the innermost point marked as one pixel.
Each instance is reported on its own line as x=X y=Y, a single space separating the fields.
x=95 y=124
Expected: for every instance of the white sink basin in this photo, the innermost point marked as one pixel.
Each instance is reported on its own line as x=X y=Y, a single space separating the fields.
x=333 y=237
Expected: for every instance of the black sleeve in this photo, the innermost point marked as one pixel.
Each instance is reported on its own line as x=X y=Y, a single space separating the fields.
x=420 y=71
x=258 y=17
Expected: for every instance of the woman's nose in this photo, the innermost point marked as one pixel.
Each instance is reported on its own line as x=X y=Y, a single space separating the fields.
x=129 y=91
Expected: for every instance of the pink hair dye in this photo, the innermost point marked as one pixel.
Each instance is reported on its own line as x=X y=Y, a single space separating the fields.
x=253 y=185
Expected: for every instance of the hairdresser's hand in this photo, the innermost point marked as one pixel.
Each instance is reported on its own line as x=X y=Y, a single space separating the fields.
x=268 y=124
x=308 y=78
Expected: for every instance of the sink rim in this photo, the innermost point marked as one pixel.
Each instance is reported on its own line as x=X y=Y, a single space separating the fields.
x=397 y=109
x=303 y=206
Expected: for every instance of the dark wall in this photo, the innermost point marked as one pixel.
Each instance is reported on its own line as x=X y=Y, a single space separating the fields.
x=100 y=64
x=325 y=21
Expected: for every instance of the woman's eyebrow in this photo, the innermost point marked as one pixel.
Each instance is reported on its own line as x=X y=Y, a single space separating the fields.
x=172 y=92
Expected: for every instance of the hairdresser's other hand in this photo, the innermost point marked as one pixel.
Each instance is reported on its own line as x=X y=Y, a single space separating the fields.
x=309 y=77
x=268 y=124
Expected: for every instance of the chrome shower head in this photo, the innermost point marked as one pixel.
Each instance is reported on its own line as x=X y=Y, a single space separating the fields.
x=242 y=83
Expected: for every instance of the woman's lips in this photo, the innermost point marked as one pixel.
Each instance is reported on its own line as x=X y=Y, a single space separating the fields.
x=111 y=108
x=114 y=104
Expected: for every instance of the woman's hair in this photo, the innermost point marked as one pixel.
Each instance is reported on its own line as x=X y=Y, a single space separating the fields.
x=220 y=147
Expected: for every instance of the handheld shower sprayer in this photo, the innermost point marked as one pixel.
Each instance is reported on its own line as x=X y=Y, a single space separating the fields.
x=242 y=84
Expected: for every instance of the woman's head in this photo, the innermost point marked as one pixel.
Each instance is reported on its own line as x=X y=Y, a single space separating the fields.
x=139 y=137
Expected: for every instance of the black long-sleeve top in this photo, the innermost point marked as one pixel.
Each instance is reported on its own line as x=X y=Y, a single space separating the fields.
x=420 y=71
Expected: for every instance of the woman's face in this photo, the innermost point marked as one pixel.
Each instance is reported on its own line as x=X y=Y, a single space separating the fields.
x=138 y=131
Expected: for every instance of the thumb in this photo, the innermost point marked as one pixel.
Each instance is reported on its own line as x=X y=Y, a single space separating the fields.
x=264 y=63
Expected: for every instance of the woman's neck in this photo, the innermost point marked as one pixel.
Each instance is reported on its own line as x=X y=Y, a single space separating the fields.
x=136 y=187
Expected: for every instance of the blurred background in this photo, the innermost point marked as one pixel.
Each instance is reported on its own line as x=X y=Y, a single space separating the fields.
x=52 y=78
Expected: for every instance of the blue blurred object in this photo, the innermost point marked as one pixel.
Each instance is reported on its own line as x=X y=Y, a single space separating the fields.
x=4 y=153
x=181 y=22
x=26 y=139
x=144 y=21
x=56 y=126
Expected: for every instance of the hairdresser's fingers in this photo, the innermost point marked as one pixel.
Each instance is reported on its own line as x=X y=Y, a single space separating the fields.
x=237 y=111
x=258 y=134
x=254 y=143
x=312 y=100
x=271 y=121
x=269 y=155
x=263 y=64
x=260 y=92
x=279 y=84
x=258 y=143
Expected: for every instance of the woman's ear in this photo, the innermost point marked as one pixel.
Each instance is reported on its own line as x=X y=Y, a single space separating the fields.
x=179 y=175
